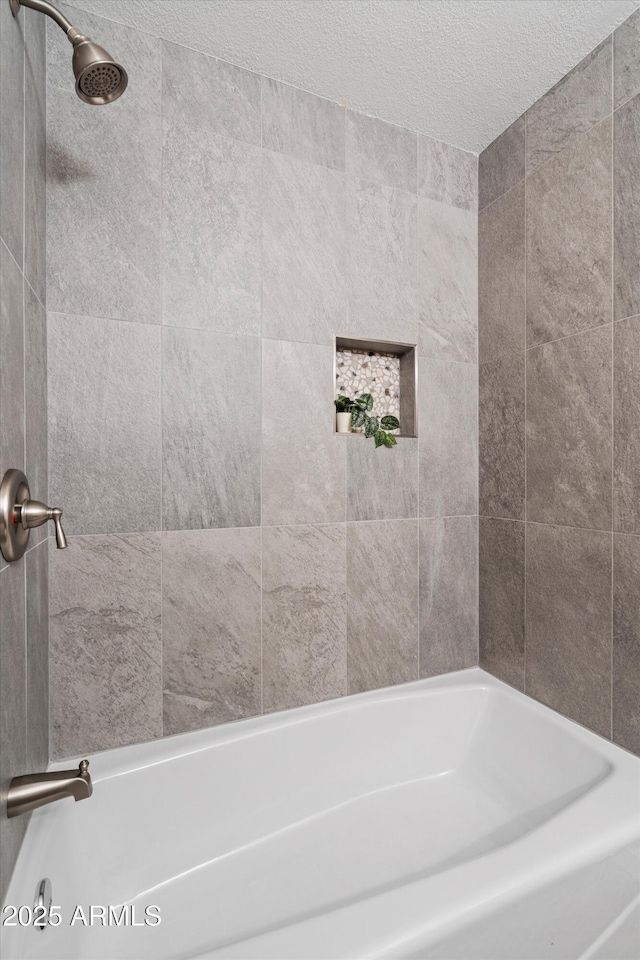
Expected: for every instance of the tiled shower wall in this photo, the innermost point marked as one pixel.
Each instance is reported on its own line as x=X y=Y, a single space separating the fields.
x=209 y=234
x=559 y=296
x=24 y=710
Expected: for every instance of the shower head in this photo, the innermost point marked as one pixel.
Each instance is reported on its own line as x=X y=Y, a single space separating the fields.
x=99 y=79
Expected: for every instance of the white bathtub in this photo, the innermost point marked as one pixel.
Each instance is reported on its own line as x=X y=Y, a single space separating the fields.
x=450 y=818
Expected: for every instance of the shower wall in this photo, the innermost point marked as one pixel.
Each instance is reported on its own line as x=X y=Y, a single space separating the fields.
x=559 y=296
x=24 y=707
x=209 y=234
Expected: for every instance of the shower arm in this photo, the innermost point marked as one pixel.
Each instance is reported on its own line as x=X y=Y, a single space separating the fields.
x=43 y=7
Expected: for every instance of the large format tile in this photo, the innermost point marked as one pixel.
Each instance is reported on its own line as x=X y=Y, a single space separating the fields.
x=569 y=431
x=382 y=483
x=35 y=372
x=448 y=174
x=11 y=364
x=12 y=126
x=304 y=615
x=105 y=643
x=303 y=251
x=626 y=426
x=626 y=642
x=381 y=152
x=626 y=235
x=35 y=157
x=502 y=603
x=381 y=262
x=212 y=671
x=218 y=97
x=103 y=183
x=382 y=604
x=568 y=622
x=303 y=461
x=581 y=99
x=37 y=612
x=104 y=424
x=501 y=276
x=211 y=430
x=502 y=437
x=448 y=452
x=569 y=239
x=626 y=62
x=447 y=281
x=13 y=710
x=502 y=164
x=302 y=125
x=211 y=230
x=448 y=594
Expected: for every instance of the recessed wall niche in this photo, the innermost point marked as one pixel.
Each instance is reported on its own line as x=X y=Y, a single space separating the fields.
x=385 y=369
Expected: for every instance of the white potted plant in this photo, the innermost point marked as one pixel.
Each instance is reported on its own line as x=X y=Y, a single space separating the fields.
x=355 y=413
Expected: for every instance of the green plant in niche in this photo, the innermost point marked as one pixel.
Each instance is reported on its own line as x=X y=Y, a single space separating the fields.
x=373 y=427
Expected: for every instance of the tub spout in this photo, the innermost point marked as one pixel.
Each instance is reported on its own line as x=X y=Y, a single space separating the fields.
x=37 y=789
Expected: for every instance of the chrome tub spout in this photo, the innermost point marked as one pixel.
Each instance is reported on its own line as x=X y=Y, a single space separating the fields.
x=37 y=789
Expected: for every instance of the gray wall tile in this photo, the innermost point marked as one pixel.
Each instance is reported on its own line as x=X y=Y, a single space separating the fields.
x=381 y=262
x=502 y=164
x=304 y=615
x=103 y=167
x=35 y=372
x=12 y=125
x=211 y=430
x=569 y=239
x=106 y=656
x=381 y=152
x=626 y=426
x=201 y=92
x=448 y=594
x=35 y=156
x=11 y=364
x=303 y=470
x=382 y=604
x=210 y=229
x=569 y=431
x=568 y=622
x=382 y=484
x=581 y=99
x=502 y=599
x=13 y=710
x=212 y=670
x=626 y=235
x=448 y=405
x=501 y=276
x=447 y=281
x=302 y=125
x=626 y=63
x=37 y=614
x=303 y=251
x=626 y=642
x=446 y=173
x=502 y=437
x=104 y=423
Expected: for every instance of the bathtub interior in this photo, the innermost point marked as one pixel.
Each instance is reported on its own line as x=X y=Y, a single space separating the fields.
x=319 y=811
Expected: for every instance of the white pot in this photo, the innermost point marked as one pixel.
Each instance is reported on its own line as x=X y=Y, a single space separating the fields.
x=343 y=421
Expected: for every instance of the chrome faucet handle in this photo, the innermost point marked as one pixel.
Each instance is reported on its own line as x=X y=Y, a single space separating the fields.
x=19 y=514
x=33 y=513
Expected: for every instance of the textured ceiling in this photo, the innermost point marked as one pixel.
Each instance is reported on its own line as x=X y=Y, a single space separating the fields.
x=457 y=70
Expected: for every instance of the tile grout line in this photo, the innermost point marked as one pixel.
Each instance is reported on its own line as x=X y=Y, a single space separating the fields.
x=613 y=315
x=161 y=397
x=526 y=443
x=261 y=395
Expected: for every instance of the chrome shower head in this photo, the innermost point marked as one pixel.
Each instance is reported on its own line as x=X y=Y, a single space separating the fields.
x=99 y=79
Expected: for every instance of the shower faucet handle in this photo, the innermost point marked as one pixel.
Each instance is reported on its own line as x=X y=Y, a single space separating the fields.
x=33 y=513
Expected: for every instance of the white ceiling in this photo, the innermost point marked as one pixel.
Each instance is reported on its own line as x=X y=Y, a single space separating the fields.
x=457 y=70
